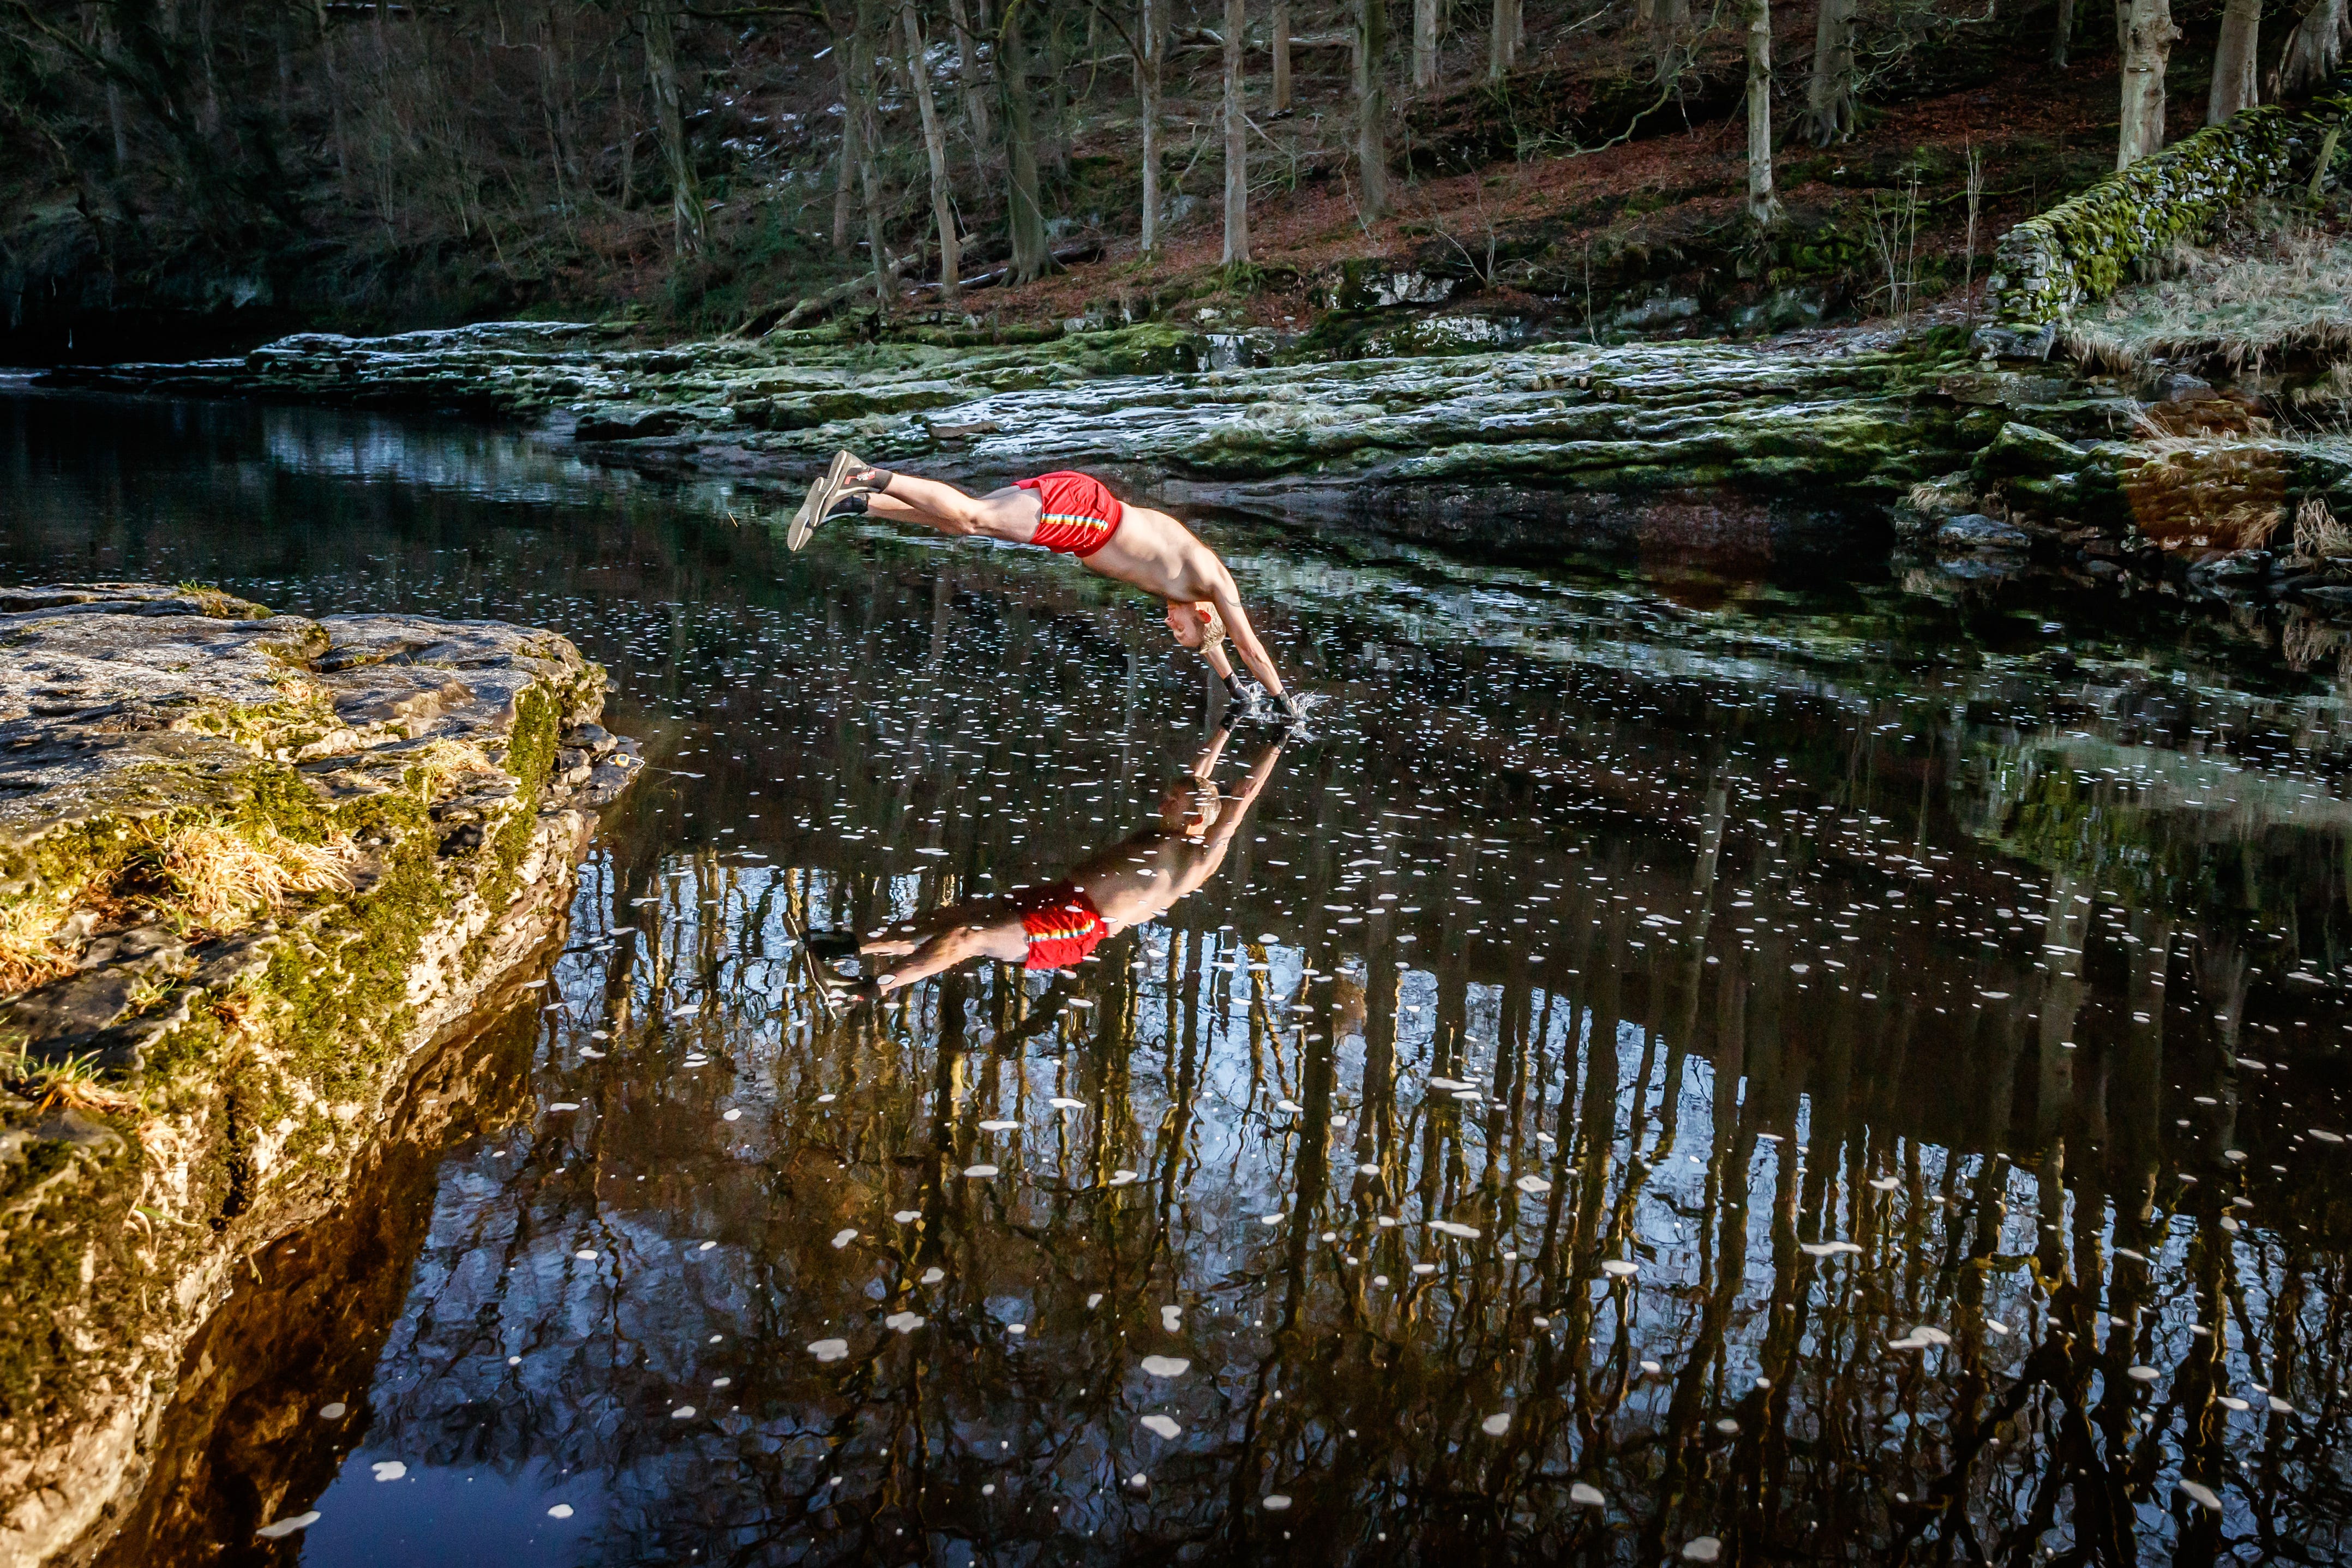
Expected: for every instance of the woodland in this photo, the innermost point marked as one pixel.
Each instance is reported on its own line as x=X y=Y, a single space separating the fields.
x=183 y=174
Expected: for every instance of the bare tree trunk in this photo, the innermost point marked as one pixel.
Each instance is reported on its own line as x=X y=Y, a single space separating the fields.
x=2233 y=61
x=2062 y=37
x=1280 y=37
x=975 y=101
x=2314 y=48
x=1424 y=45
x=1829 y=97
x=116 y=117
x=869 y=138
x=1762 y=204
x=2148 y=46
x=1372 y=108
x=935 y=145
x=1148 y=19
x=661 y=72
x=1025 y=216
x=335 y=110
x=1236 y=140
x=853 y=123
x=1669 y=21
x=1503 y=45
x=1058 y=84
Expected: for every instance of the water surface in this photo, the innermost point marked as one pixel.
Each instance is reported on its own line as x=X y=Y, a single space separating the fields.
x=1677 y=1059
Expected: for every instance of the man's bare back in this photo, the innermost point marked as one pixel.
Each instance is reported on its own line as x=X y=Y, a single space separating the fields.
x=1076 y=515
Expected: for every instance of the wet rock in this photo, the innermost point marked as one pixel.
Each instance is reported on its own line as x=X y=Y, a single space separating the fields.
x=628 y=423
x=1975 y=531
x=251 y=866
x=1842 y=419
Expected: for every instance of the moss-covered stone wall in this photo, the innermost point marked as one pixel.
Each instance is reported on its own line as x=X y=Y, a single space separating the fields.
x=2085 y=247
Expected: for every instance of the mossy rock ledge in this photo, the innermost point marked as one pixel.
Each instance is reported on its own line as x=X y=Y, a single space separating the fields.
x=253 y=869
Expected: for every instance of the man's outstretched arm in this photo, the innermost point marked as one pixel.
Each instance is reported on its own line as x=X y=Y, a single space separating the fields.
x=1244 y=636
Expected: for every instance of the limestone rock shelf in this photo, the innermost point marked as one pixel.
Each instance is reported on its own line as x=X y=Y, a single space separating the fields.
x=254 y=868
x=1844 y=416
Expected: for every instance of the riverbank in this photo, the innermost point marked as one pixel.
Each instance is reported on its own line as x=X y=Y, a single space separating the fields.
x=255 y=870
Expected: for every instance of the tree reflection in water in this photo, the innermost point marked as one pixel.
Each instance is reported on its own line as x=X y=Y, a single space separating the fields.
x=1825 y=1074
x=1714 y=1186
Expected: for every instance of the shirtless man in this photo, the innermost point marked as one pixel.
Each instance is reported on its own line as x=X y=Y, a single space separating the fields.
x=1074 y=514
x=1055 y=925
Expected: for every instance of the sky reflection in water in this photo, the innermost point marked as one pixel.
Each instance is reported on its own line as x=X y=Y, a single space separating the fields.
x=1836 y=1069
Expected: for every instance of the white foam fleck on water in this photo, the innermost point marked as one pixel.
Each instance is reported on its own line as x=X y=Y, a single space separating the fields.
x=278 y=1529
x=829 y=1349
x=842 y=1238
x=1494 y=1426
x=1166 y=1365
x=1160 y=1424
x=561 y=1511
x=388 y=1470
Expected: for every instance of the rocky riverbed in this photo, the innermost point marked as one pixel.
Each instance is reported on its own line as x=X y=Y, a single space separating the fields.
x=256 y=872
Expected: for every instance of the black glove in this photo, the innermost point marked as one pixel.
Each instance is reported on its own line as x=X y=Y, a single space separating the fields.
x=1288 y=707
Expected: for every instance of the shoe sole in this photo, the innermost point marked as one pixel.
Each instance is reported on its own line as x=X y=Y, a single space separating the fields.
x=821 y=494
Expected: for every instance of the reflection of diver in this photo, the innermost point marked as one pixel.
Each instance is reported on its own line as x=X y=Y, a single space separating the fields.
x=1054 y=925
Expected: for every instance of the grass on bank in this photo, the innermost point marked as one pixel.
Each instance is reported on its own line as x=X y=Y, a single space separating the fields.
x=2272 y=283
x=212 y=877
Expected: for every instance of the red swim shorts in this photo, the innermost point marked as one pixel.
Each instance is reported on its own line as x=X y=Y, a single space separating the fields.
x=1061 y=924
x=1080 y=515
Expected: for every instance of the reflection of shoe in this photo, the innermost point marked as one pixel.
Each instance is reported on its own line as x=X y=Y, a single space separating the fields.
x=826 y=495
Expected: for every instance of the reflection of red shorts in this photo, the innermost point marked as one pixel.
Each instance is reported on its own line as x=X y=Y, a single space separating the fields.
x=1080 y=515
x=1061 y=924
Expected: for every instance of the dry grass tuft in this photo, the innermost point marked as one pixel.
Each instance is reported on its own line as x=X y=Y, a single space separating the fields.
x=30 y=954
x=2318 y=535
x=72 y=1085
x=1946 y=495
x=2271 y=286
x=2199 y=493
x=220 y=877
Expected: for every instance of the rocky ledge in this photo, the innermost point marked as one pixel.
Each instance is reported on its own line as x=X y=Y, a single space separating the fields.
x=1846 y=415
x=252 y=868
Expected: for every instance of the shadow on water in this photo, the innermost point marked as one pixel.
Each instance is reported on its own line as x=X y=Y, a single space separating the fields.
x=1811 y=1072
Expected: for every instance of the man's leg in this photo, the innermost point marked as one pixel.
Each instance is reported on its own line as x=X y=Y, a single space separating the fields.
x=1006 y=515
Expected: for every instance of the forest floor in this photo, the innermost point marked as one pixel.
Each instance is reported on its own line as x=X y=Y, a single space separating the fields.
x=1661 y=198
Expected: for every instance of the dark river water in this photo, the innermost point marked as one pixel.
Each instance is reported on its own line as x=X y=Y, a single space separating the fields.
x=1675 y=1061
